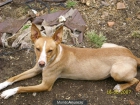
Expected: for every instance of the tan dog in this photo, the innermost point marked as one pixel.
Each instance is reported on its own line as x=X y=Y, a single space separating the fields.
x=56 y=60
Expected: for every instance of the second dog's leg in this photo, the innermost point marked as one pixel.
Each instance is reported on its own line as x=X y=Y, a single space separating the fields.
x=124 y=71
x=120 y=87
x=46 y=84
x=27 y=74
x=7 y=93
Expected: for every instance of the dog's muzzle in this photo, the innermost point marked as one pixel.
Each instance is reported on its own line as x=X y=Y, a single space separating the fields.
x=42 y=64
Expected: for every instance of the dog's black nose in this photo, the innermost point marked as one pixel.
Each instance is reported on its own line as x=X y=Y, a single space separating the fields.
x=41 y=63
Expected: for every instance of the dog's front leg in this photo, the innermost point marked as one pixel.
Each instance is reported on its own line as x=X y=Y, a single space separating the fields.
x=46 y=85
x=7 y=93
x=27 y=74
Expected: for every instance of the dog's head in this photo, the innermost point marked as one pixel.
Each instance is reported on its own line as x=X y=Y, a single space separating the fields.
x=45 y=47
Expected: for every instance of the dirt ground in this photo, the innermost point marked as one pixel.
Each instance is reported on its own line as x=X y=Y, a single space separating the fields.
x=94 y=92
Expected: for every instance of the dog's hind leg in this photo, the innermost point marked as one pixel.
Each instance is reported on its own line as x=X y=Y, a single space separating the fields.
x=27 y=74
x=120 y=87
x=124 y=71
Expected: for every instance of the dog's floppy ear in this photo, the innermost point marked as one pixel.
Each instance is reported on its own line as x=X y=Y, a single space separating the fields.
x=35 y=33
x=57 y=37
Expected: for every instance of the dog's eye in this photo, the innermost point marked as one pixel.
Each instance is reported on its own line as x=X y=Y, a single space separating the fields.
x=37 y=49
x=50 y=51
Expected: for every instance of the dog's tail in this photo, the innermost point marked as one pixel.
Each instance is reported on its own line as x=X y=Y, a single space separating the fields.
x=138 y=61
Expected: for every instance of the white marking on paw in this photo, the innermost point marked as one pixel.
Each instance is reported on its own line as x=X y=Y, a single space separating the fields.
x=7 y=93
x=117 y=88
x=5 y=84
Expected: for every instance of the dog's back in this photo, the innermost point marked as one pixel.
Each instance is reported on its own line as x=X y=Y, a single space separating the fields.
x=92 y=64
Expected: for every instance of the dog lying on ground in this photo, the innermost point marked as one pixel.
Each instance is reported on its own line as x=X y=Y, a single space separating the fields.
x=57 y=60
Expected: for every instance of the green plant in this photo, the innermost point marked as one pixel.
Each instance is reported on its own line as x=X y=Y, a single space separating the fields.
x=136 y=34
x=70 y=3
x=25 y=27
x=98 y=40
x=54 y=10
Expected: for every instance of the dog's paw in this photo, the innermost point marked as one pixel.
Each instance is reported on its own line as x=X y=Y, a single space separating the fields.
x=4 y=84
x=7 y=93
x=117 y=88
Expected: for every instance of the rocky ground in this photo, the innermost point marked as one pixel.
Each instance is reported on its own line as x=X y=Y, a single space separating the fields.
x=125 y=31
